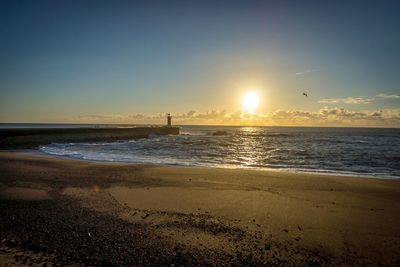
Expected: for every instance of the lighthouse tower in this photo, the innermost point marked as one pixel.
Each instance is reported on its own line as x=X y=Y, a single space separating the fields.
x=169 y=118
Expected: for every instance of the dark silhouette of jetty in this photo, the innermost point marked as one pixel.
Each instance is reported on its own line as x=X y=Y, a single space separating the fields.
x=30 y=138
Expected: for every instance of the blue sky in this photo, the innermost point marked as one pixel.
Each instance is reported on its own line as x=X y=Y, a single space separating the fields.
x=64 y=59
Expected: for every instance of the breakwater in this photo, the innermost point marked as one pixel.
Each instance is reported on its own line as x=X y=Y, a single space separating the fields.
x=33 y=137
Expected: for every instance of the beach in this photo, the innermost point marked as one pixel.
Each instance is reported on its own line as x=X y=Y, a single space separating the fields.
x=200 y=133
x=77 y=212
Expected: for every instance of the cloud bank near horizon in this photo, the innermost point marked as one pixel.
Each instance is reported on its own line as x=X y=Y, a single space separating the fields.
x=324 y=117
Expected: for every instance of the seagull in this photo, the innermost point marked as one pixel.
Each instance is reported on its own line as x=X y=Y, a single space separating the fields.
x=305 y=94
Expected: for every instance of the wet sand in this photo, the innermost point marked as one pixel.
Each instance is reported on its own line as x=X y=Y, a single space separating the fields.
x=76 y=212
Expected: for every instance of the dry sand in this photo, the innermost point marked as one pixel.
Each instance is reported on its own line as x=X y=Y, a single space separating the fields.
x=193 y=216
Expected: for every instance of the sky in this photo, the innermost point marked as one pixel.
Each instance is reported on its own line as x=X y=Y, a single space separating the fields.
x=134 y=61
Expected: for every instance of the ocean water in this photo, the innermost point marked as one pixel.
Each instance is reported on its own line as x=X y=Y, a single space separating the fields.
x=346 y=151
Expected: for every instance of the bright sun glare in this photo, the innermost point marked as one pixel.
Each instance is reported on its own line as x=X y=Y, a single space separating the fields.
x=251 y=101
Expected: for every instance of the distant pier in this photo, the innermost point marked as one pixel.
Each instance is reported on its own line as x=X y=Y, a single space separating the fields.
x=34 y=137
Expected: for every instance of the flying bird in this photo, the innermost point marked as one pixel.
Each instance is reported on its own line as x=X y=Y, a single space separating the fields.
x=305 y=94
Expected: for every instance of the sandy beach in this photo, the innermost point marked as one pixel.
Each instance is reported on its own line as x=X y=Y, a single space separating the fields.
x=75 y=212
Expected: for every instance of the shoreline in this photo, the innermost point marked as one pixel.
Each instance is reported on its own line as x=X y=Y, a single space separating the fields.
x=321 y=172
x=207 y=216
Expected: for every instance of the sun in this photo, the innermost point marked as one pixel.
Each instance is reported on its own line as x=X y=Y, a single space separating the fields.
x=251 y=101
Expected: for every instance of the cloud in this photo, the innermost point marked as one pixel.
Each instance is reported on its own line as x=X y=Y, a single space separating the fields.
x=306 y=72
x=191 y=113
x=326 y=116
x=357 y=100
x=347 y=100
x=386 y=117
x=388 y=96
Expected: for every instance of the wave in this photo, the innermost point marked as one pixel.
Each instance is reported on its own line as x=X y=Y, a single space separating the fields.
x=306 y=151
x=266 y=135
x=192 y=134
x=174 y=162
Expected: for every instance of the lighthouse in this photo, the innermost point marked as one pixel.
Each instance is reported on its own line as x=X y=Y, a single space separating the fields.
x=169 y=118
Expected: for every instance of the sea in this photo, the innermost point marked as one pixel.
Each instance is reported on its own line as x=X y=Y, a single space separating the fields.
x=367 y=152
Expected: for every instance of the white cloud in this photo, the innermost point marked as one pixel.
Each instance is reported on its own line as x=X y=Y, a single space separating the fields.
x=388 y=96
x=347 y=100
x=306 y=71
x=358 y=100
